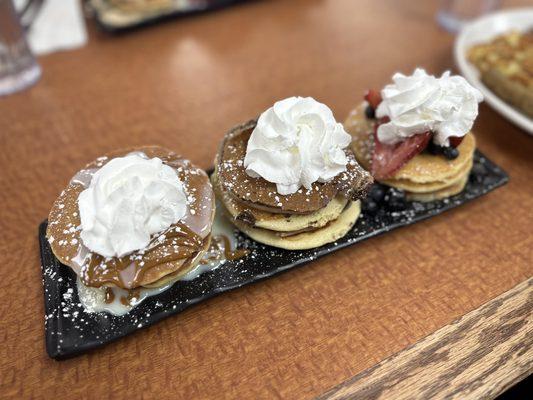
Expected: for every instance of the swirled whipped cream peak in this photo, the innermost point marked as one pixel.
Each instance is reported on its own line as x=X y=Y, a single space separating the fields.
x=295 y=143
x=418 y=103
x=129 y=199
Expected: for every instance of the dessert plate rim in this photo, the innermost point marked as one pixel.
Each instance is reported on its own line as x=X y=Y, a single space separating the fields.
x=482 y=30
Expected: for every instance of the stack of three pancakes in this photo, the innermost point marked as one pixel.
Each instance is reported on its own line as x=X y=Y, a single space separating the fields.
x=425 y=177
x=171 y=253
x=306 y=219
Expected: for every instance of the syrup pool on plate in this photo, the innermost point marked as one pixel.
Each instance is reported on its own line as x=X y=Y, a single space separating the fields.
x=119 y=301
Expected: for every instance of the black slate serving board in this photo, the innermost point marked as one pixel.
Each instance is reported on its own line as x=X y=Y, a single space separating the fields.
x=71 y=331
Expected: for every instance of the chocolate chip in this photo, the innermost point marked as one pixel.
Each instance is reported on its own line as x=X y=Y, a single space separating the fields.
x=370 y=112
x=247 y=217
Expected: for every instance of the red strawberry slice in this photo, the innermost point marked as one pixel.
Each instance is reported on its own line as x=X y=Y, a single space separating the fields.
x=373 y=97
x=455 y=141
x=388 y=159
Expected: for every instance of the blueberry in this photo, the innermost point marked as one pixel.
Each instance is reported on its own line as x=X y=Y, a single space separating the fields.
x=370 y=206
x=395 y=195
x=397 y=205
x=434 y=149
x=370 y=113
x=395 y=199
x=451 y=153
x=377 y=193
x=381 y=213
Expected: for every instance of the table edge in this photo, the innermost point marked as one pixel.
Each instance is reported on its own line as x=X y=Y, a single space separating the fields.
x=477 y=356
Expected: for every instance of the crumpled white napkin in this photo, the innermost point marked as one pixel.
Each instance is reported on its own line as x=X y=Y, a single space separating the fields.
x=58 y=26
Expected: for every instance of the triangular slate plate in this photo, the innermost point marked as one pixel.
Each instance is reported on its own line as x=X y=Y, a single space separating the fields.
x=71 y=331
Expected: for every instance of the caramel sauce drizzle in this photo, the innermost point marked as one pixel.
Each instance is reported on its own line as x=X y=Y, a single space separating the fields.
x=132 y=295
x=179 y=243
x=221 y=247
x=109 y=295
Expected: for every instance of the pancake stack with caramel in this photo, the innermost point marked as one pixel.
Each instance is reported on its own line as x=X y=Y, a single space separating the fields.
x=305 y=219
x=170 y=253
x=426 y=176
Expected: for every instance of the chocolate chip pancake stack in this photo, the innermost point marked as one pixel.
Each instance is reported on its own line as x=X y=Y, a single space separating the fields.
x=169 y=254
x=425 y=177
x=305 y=219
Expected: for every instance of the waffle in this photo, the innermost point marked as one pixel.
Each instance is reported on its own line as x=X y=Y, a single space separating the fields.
x=506 y=67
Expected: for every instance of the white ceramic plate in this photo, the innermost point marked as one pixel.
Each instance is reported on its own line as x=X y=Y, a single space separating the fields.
x=483 y=30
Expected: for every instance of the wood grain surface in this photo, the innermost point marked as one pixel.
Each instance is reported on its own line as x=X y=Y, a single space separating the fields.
x=182 y=84
x=476 y=357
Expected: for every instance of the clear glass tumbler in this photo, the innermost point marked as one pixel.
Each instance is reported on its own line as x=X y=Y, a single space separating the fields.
x=18 y=68
x=453 y=14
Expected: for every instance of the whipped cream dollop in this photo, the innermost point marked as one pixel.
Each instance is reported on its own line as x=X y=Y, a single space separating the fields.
x=129 y=199
x=295 y=143
x=420 y=102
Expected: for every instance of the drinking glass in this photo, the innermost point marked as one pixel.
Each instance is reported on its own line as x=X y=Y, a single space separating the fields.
x=453 y=14
x=18 y=68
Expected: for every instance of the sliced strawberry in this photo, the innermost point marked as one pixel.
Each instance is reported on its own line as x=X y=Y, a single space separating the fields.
x=455 y=141
x=388 y=159
x=373 y=97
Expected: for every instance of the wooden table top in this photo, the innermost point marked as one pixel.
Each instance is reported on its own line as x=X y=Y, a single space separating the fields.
x=182 y=84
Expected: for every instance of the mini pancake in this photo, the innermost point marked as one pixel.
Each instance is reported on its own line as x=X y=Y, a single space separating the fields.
x=361 y=129
x=428 y=187
x=182 y=271
x=439 y=194
x=177 y=249
x=275 y=221
x=423 y=168
x=306 y=240
x=261 y=194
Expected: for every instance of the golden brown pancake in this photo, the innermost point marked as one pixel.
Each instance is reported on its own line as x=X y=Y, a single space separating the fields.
x=428 y=187
x=331 y=232
x=182 y=271
x=261 y=194
x=175 y=250
x=276 y=221
x=439 y=194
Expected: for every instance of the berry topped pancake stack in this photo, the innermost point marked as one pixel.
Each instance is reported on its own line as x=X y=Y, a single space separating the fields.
x=290 y=179
x=415 y=135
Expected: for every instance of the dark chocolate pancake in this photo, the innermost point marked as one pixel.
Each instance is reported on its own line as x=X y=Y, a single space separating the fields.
x=257 y=192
